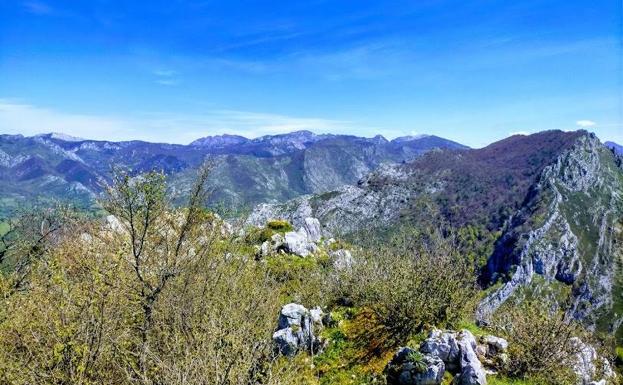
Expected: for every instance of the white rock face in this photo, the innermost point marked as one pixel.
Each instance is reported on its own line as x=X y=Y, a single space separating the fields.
x=296 y=242
x=311 y=227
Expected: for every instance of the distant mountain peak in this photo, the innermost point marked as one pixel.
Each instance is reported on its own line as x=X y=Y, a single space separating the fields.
x=61 y=136
x=220 y=140
x=617 y=148
x=408 y=138
x=379 y=139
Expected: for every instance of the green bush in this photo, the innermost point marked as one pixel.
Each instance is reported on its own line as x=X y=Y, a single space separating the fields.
x=279 y=225
x=539 y=341
x=405 y=287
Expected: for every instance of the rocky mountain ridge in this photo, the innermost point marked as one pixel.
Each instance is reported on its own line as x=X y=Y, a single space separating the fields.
x=567 y=235
x=247 y=171
x=549 y=205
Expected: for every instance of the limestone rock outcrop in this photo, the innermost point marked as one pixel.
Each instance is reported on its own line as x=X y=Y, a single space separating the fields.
x=297 y=330
x=456 y=352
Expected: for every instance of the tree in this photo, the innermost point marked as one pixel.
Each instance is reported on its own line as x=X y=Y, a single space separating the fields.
x=159 y=237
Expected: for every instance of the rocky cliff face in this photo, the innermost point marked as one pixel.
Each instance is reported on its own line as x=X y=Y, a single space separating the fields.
x=349 y=208
x=564 y=242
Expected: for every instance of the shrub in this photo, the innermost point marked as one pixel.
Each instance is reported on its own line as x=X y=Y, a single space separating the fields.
x=541 y=342
x=417 y=359
x=279 y=225
x=405 y=287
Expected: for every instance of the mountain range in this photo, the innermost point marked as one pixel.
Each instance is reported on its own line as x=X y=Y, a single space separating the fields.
x=538 y=215
x=246 y=171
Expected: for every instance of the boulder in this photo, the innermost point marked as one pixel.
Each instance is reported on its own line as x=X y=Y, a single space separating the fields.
x=495 y=343
x=296 y=242
x=472 y=372
x=402 y=370
x=317 y=315
x=458 y=351
x=311 y=228
x=295 y=330
x=444 y=346
x=492 y=351
x=265 y=249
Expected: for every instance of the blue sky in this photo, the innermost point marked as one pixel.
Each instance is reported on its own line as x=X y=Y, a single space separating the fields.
x=472 y=71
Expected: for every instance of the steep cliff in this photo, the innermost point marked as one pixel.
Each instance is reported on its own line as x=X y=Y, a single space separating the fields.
x=564 y=244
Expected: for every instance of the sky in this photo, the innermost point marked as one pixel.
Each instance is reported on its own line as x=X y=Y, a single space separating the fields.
x=176 y=70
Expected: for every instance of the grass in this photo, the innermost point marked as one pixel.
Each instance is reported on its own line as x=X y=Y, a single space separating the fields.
x=472 y=328
x=342 y=361
x=500 y=380
x=4 y=227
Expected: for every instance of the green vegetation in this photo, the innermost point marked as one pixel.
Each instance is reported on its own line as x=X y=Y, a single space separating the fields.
x=279 y=225
x=498 y=380
x=166 y=298
x=539 y=341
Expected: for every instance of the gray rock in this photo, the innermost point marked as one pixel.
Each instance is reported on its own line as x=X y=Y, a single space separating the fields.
x=296 y=242
x=316 y=315
x=402 y=371
x=497 y=343
x=295 y=330
x=227 y=230
x=114 y=224
x=287 y=341
x=311 y=227
x=276 y=239
x=472 y=371
x=444 y=346
x=492 y=352
x=587 y=364
x=265 y=249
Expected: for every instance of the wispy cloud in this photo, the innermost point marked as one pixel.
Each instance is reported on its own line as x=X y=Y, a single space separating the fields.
x=22 y=118
x=37 y=7
x=167 y=77
x=585 y=123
